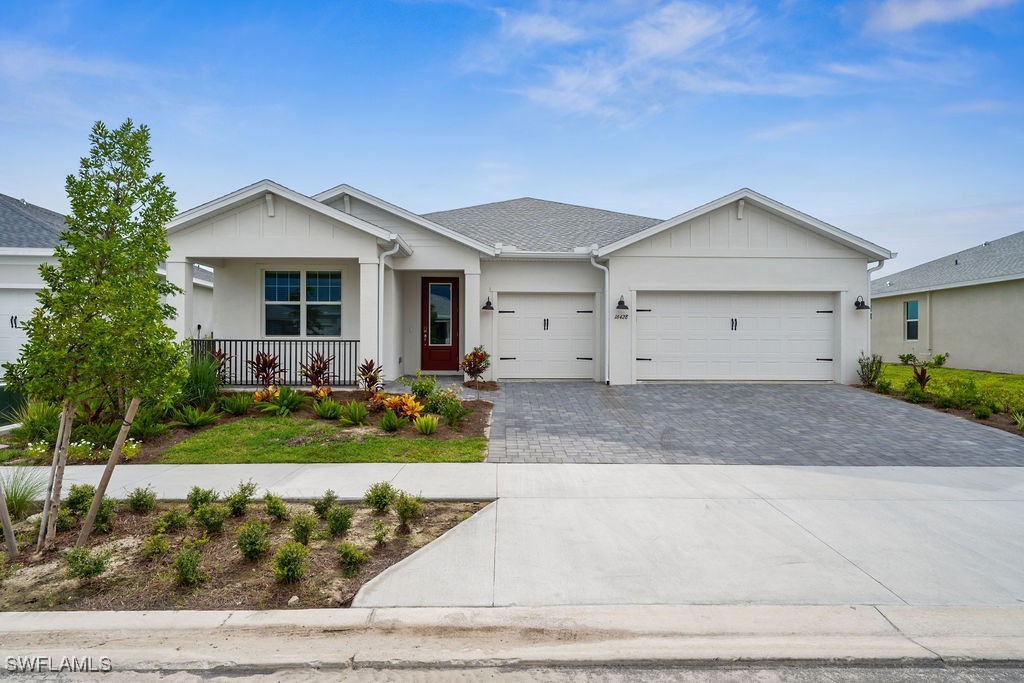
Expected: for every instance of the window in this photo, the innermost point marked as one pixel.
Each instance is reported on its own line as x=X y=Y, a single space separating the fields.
x=440 y=314
x=910 y=317
x=298 y=303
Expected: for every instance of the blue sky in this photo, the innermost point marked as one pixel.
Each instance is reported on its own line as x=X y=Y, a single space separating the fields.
x=899 y=120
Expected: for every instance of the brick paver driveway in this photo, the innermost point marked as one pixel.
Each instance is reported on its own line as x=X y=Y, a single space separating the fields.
x=772 y=424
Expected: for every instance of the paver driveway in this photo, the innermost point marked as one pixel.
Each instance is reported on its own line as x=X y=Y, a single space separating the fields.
x=772 y=424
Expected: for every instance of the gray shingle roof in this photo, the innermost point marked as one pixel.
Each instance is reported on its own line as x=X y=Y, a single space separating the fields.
x=539 y=225
x=26 y=226
x=999 y=259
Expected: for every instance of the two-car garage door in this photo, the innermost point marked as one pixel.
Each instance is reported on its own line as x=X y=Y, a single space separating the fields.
x=735 y=336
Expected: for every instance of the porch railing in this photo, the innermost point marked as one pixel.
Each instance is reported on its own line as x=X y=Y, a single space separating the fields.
x=290 y=352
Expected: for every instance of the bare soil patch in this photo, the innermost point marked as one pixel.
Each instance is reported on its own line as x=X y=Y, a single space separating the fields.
x=135 y=583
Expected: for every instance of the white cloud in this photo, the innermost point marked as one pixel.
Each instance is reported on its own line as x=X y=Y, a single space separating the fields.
x=678 y=27
x=539 y=28
x=892 y=16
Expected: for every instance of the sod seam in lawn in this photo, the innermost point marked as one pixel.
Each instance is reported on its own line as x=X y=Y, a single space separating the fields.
x=287 y=439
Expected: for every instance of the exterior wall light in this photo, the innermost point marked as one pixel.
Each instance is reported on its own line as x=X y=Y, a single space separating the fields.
x=488 y=306
x=861 y=305
x=622 y=304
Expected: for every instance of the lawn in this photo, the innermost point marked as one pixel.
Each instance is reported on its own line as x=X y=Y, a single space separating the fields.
x=290 y=439
x=1007 y=390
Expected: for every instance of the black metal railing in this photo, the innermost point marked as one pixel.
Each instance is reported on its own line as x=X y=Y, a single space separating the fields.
x=290 y=353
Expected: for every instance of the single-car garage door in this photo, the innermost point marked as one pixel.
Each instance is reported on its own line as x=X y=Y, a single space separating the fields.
x=15 y=308
x=545 y=336
x=735 y=336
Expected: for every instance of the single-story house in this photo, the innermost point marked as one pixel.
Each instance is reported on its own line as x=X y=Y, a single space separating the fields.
x=969 y=304
x=28 y=235
x=742 y=288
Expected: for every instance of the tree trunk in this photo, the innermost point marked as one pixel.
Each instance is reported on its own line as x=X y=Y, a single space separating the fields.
x=108 y=471
x=5 y=521
x=68 y=418
x=66 y=411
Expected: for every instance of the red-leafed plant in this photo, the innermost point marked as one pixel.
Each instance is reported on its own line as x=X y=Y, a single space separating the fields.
x=475 y=364
x=265 y=367
x=222 y=359
x=921 y=376
x=369 y=376
x=318 y=372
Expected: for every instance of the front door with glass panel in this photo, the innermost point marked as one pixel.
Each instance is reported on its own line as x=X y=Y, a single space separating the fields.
x=439 y=334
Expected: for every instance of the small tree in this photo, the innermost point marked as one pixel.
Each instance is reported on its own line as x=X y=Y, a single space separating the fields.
x=475 y=364
x=98 y=333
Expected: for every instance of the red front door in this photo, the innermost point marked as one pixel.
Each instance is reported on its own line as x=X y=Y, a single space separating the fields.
x=439 y=321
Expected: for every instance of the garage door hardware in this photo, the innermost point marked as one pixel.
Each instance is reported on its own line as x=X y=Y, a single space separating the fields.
x=645 y=359
x=506 y=311
x=14 y=321
x=506 y=357
x=643 y=310
x=823 y=311
x=545 y=323
x=735 y=323
x=584 y=311
x=583 y=358
x=825 y=359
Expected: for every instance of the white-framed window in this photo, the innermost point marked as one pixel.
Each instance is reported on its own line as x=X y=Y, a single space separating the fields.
x=302 y=303
x=910 y=320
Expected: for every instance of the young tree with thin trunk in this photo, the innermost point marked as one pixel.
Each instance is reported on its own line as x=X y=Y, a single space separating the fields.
x=98 y=334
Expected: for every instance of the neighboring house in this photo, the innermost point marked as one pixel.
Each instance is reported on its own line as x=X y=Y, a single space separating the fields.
x=742 y=288
x=969 y=304
x=28 y=235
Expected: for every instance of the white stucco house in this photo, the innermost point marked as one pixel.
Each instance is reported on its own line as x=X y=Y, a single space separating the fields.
x=28 y=235
x=969 y=304
x=741 y=288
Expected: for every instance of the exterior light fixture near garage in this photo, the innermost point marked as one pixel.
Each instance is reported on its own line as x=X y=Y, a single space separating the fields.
x=488 y=306
x=861 y=305
x=622 y=304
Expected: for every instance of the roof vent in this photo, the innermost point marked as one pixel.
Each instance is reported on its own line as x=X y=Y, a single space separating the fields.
x=24 y=203
x=956 y=262
x=986 y=243
x=888 y=283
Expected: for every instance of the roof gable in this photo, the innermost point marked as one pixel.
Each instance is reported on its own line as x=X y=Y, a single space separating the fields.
x=801 y=219
x=27 y=226
x=996 y=261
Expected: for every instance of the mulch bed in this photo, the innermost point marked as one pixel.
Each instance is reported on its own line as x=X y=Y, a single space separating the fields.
x=481 y=385
x=134 y=583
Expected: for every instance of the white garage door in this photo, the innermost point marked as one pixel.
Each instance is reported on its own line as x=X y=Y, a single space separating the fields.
x=735 y=336
x=545 y=336
x=15 y=308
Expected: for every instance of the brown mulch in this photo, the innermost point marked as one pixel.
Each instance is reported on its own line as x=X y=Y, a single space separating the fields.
x=997 y=420
x=481 y=385
x=134 y=583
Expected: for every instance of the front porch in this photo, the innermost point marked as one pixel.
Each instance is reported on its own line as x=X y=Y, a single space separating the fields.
x=343 y=355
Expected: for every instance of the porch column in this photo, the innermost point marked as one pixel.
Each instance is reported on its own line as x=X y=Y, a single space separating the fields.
x=471 y=297
x=180 y=273
x=368 y=309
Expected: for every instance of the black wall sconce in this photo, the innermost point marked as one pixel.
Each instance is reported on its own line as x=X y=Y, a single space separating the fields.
x=622 y=304
x=861 y=305
x=488 y=306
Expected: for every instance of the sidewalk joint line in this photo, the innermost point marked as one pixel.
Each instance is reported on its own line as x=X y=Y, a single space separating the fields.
x=494 y=557
x=905 y=635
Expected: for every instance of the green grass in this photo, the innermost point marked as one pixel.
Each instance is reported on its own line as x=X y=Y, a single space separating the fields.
x=1008 y=390
x=287 y=439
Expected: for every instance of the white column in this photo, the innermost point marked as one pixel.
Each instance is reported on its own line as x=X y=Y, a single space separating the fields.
x=368 y=309
x=472 y=303
x=180 y=273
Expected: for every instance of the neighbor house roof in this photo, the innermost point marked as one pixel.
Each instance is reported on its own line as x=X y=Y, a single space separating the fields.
x=995 y=261
x=27 y=226
x=541 y=226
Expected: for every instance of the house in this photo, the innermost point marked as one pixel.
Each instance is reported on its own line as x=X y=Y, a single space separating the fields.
x=741 y=288
x=969 y=304
x=28 y=235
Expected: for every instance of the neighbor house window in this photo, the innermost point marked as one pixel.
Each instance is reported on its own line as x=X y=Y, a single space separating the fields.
x=302 y=303
x=910 y=317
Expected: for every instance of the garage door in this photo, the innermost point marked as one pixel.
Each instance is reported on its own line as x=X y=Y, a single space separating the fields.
x=15 y=308
x=735 y=336
x=545 y=336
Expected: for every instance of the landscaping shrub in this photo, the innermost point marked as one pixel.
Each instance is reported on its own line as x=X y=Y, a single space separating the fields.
x=922 y=377
x=238 y=500
x=407 y=507
x=97 y=433
x=129 y=449
x=327 y=409
x=390 y=422
x=908 y=359
x=85 y=564
x=376 y=402
x=354 y=413
x=339 y=520
x=211 y=516
x=351 y=558
x=193 y=417
x=381 y=531
x=275 y=507
x=236 y=404
x=982 y=412
x=155 y=546
x=141 y=500
x=448 y=404
x=186 y=567
x=475 y=363
x=944 y=402
x=80 y=451
x=285 y=402
x=1018 y=418
x=425 y=424
x=202 y=384
x=79 y=499
x=380 y=496
x=913 y=392
x=105 y=515
x=148 y=423
x=265 y=367
x=323 y=504
x=421 y=386
x=253 y=540
x=939 y=359
x=405 y=405
x=24 y=489
x=172 y=521
x=963 y=394
x=303 y=527
x=290 y=562
x=368 y=376
x=199 y=496
x=39 y=420
x=869 y=368
x=318 y=372
x=65 y=520
x=883 y=386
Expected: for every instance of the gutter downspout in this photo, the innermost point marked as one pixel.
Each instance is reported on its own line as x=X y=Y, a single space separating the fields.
x=878 y=264
x=607 y=312
x=380 y=296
